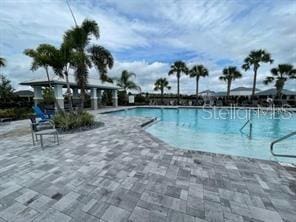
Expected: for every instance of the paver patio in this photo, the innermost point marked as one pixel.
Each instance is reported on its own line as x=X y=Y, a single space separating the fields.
x=121 y=173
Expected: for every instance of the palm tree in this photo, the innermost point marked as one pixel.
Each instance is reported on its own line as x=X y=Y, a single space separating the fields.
x=2 y=62
x=125 y=82
x=280 y=75
x=44 y=56
x=61 y=64
x=230 y=74
x=254 y=59
x=198 y=71
x=102 y=59
x=6 y=90
x=178 y=68
x=161 y=84
x=78 y=39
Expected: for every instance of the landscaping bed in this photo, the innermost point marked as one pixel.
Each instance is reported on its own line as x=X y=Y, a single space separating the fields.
x=95 y=125
x=77 y=121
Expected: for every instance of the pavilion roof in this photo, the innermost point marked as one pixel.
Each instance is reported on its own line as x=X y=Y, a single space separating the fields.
x=56 y=80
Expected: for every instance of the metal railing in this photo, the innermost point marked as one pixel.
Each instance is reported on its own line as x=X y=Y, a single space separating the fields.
x=279 y=140
x=250 y=129
x=244 y=126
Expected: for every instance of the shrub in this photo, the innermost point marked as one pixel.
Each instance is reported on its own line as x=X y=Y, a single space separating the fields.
x=107 y=98
x=122 y=98
x=73 y=120
x=140 y=99
x=48 y=98
x=16 y=113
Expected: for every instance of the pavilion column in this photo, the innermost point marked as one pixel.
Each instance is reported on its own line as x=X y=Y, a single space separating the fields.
x=37 y=94
x=58 y=93
x=99 y=97
x=114 y=97
x=94 y=98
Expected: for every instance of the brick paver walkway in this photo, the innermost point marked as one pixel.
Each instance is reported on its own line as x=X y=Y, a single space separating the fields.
x=121 y=173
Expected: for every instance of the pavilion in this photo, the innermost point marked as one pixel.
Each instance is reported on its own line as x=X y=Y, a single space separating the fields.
x=95 y=86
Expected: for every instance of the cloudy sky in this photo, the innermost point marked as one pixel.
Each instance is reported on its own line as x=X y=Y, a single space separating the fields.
x=146 y=36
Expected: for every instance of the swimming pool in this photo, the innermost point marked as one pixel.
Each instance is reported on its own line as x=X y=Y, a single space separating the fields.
x=218 y=130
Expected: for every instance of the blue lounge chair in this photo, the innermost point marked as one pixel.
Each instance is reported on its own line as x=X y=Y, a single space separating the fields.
x=39 y=113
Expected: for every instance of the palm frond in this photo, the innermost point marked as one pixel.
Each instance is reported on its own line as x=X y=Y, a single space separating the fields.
x=246 y=66
x=223 y=78
x=43 y=56
x=171 y=72
x=2 y=62
x=230 y=73
x=198 y=71
x=125 y=82
x=161 y=84
x=268 y=79
x=280 y=75
x=255 y=58
x=90 y=27
x=178 y=67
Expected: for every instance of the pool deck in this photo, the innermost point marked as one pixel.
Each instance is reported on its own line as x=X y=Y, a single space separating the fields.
x=119 y=172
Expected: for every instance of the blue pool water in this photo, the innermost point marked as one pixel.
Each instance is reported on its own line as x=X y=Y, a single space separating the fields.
x=218 y=130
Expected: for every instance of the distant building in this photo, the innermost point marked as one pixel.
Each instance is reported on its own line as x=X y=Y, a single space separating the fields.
x=207 y=93
x=272 y=92
x=243 y=91
x=25 y=94
x=220 y=94
x=239 y=91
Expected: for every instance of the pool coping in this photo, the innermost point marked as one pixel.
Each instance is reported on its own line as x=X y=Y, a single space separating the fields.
x=117 y=109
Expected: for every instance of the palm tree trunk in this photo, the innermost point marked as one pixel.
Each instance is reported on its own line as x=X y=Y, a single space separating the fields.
x=279 y=93
x=197 y=80
x=83 y=76
x=52 y=91
x=48 y=79
x=125 y=96
x=82 y=97
x=254 y=82
x=178 y=89
x=228 y=88
x=161 y=92
x=69 y=91
x=279 y=97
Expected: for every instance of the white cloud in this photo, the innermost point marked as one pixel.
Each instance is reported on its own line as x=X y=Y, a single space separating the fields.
x=137 y=31
x=146 y=73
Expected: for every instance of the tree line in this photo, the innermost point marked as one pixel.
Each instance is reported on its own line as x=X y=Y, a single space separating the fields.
x=279 y=75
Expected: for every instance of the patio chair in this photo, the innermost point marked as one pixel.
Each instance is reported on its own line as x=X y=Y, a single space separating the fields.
x=42 y=128
x=39 y=113
x=53 y=132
